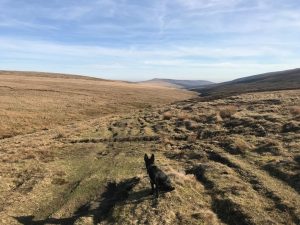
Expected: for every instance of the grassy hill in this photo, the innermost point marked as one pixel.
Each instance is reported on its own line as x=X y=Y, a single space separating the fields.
x=31 y=101
x=188 y=84
x=49 y=75
x=282 y=80
x=233 y=160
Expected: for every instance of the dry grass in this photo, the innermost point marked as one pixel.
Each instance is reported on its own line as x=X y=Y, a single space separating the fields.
x=192 y=138
x=183 y=116
x=236 y=145
x=227 y=111
x=167 y=115
x=32 y=102
x=235 y=175
x=270 y=146
x=295 y=110
x=241 y=144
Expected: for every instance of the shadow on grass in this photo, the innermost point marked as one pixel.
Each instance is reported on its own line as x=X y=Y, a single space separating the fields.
x=100 y=209
x=141 y=196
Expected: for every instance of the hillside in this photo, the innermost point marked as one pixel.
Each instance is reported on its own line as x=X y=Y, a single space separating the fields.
x=282 y=80
x=232 y=161
x=49 y=75
x=33 y=101
x=188 y=84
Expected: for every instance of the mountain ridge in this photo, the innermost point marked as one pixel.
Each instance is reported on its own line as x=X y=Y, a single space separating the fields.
x=179 y=82
x=272 y=81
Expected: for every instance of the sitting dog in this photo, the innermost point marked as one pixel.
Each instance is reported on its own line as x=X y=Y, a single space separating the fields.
x=158 y=179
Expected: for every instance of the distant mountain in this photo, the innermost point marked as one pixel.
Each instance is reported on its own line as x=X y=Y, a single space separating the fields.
x=189 y=84
x=282 y=80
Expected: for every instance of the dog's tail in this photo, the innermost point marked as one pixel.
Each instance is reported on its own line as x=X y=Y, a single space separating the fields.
x=168 y=186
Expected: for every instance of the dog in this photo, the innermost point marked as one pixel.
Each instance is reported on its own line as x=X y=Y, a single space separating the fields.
x=158 y=179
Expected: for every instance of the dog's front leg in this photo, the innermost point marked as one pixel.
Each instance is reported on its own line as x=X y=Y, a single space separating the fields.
x=156 y=189
x=152 y=187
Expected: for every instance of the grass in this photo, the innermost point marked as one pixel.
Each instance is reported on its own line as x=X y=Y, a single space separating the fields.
x=236 y=145
x=31 y=102
x=227 y=111
x=295 y=110
x=167 y=115
x=282 y=80
x=91 y=170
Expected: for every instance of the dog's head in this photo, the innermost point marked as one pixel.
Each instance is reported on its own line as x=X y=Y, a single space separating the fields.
x=149 y=161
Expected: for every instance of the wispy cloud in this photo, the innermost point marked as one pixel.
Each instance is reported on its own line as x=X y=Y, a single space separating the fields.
x=150 y=37
x=205 y=4
x=171 y=51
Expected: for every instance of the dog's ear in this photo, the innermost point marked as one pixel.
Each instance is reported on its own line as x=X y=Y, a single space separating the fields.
x=152 y=158
x=146 y=157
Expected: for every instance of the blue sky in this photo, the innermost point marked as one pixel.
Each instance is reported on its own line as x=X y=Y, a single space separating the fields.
x=215 y=40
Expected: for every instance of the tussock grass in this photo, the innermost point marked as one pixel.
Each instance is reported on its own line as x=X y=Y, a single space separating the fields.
x=167 y=115
x=227 y=111
x=295 y=110
x=236 y=145
x=183 y=116
x=270 y=146
x=225 y=171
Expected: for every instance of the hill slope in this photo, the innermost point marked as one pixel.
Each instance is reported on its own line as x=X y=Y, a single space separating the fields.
x=31 y=101
x=49 y=75
x=282 y=80
x=188 y=84
x=229 y=166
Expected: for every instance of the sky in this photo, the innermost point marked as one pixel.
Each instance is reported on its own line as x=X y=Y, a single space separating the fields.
x=216 y=40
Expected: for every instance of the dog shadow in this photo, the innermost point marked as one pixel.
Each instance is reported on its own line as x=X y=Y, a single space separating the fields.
x=102 y=208
x=137 y=197
x=140 y=196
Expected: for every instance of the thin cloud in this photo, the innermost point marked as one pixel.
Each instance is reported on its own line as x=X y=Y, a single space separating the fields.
x=52 y=48
x=148 y=37
x=207 y=4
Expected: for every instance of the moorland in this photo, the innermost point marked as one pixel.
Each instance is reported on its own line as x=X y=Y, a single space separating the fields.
x=72 y=152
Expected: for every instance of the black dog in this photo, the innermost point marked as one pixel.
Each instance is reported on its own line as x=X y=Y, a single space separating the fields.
x=157 y=177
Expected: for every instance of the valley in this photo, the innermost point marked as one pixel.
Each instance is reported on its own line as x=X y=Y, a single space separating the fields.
x=233 y=160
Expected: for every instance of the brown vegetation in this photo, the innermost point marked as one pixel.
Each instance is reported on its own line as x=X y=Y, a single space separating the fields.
x=167 y=115
x=243 y=169
x=227 y=111
x=281 y=80
x=295 y=110
x=37 y=101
